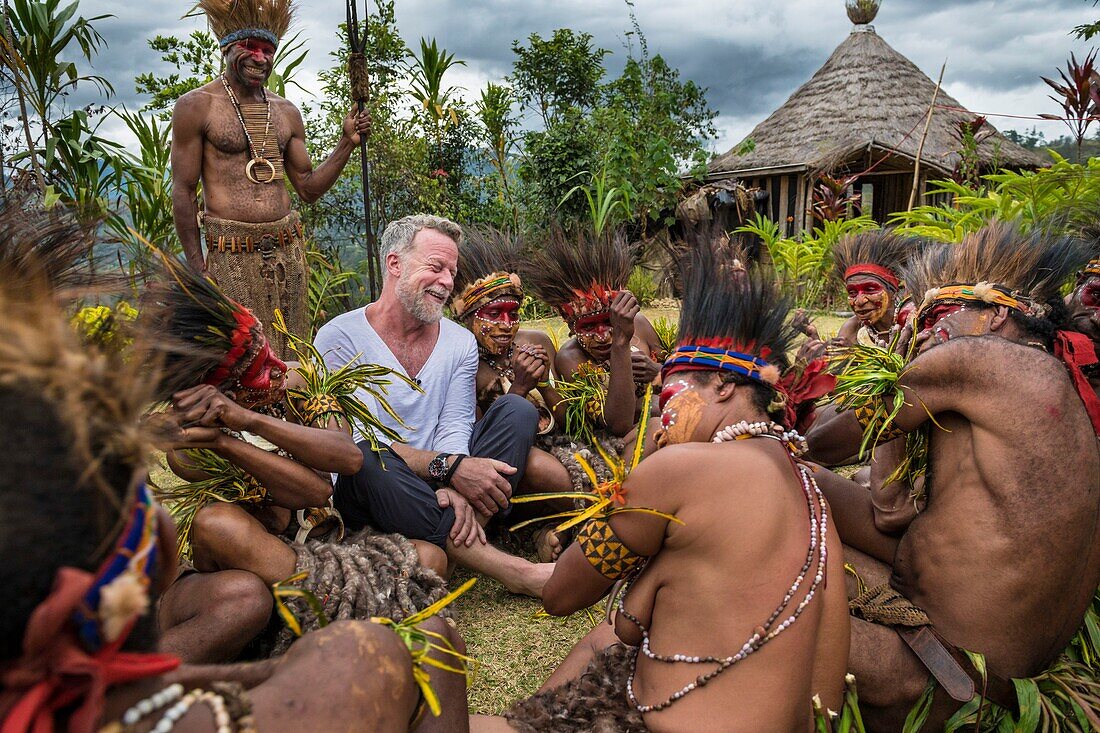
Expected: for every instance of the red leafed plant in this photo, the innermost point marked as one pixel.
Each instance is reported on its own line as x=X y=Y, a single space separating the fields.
x=832 y=198
x=1077 y=96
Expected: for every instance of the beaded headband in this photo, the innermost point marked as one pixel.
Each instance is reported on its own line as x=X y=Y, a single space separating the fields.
x=119 y=594
x=484 y=290
x=596 y=299
x=983 y=292
x=1092 y=268
x=695 y=357
x=875 y=271
x=243 y=33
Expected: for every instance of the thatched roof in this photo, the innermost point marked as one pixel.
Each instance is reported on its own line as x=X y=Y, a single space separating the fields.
x=866 y=96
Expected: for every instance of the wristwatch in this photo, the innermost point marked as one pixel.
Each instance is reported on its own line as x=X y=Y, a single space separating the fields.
x=437 y=467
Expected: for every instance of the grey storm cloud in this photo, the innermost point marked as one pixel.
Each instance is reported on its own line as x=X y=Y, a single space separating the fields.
x=750 y=56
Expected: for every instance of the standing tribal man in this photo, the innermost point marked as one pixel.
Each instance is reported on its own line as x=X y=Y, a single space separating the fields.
x=1003 y=559
x=240 y=140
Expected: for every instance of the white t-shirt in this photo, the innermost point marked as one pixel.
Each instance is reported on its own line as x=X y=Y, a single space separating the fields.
x=442 y=418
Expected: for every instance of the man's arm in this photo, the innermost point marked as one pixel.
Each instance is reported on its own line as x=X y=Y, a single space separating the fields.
x=312 y=183
x=187 y=143
x=456 y=413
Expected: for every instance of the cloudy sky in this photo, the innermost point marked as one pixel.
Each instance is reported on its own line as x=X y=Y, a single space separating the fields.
x=750 y=55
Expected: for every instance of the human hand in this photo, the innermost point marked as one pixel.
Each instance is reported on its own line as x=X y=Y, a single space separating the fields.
x=623 y=309
x=801 y=322
x=357 y=126
x=481 y=482
x=466 y=530
x=905 y=337
x=168 y=433
x=529 y=369
x=206 y=406
x=644 y=369
x=811 y=349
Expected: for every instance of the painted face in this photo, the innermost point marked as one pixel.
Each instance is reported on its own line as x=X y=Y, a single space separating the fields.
x=594 y=334
x=426 y=275
x=1084 y=307
x=250 y=61
x=681 y=412
x=945 y=321
x=263 y=381
x=870 y=299
x=495 y=325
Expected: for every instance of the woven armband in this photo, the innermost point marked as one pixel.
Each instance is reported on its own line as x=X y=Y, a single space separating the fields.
x=882 y=430
x=319 y=408
x=611 y=558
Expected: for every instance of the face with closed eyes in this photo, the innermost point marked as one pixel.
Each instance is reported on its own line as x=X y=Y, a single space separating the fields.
x=941 y=322
x=426 y=274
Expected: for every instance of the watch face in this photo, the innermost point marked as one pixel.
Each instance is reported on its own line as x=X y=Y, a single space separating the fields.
x=437 y=467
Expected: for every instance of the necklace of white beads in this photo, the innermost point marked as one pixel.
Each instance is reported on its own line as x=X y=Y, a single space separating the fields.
x=773 y=627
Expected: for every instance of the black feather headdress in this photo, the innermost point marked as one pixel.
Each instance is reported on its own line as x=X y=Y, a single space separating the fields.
x=578 y=273
x=881 y=254
x=487 y=261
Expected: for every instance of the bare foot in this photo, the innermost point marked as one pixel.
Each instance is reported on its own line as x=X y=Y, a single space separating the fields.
x=531 y=580
x=548 y=544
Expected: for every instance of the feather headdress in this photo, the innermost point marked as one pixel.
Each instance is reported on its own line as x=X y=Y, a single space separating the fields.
x=1000 y=264
x=881 y=254
x=236 y=20
x=732 y=319
x=578 y=273
x=487 y=261
x=206 y=336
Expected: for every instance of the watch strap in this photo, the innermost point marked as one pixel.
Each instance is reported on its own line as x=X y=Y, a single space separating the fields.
x=454 y=467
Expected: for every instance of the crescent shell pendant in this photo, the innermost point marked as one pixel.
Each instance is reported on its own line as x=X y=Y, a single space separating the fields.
x=248 y=170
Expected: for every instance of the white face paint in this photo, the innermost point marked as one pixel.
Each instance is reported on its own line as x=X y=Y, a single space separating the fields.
x=681 y=410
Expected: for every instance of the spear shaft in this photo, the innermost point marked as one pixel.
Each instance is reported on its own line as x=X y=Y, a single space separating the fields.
x=360 y=92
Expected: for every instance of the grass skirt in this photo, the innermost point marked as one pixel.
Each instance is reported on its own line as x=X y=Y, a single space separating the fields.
x=594 y=703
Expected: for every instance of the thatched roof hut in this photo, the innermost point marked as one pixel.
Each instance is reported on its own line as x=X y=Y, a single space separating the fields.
x=867 y=101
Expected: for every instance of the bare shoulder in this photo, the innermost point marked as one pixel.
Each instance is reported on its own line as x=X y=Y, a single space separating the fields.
x=848 y=329
x=569 y=357
x=193 y=104
x=294 y=379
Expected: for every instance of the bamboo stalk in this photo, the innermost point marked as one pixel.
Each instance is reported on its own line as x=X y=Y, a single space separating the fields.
x=923 y=137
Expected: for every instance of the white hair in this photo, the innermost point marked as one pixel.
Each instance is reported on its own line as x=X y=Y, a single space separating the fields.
x=399 y=234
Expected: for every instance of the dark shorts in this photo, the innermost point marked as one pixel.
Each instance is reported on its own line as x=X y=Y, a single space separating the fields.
x=388 y=496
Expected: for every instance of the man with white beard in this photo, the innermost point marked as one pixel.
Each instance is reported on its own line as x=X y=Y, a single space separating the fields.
x=447 y=477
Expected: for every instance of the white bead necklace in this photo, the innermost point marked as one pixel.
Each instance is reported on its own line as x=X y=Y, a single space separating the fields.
x=148 y=706
x=762 y=429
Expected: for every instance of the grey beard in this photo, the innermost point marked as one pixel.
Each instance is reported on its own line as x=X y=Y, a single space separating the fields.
x=417 y=305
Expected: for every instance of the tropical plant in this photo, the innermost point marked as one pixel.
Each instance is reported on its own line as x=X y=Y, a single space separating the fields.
x=494 y=111
x=1027 y=197
x=437 y=102
x=802 y=263
x=642 y=285
x=667 y=333
x=328 y=285
x=145 y=188
x=552 y=76
x=969 y=134
x=1078 y=97
x=833 y=198
x=607 y=205
x=285 y=65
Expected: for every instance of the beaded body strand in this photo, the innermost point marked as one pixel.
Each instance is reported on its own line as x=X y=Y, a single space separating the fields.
x=818 y=511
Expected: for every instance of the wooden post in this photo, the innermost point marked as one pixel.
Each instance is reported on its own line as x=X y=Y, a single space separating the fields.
x=920 y=148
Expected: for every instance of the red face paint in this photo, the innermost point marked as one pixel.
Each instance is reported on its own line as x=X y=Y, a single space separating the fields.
x=670 y=390
x=595 y=325
x=264 y=370
x=867 y=288
x=937 y=313
x=260 y=49
x=503 y=312
x=1090 y=294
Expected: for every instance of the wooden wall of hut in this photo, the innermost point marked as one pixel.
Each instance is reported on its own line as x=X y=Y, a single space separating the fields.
x=786 y=199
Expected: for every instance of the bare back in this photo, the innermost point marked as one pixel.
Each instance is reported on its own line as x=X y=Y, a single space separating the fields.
x=720 y=575
x=1005 y=557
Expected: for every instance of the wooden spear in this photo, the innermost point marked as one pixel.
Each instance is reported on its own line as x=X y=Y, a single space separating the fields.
x=358 y=75
x=920 y=148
